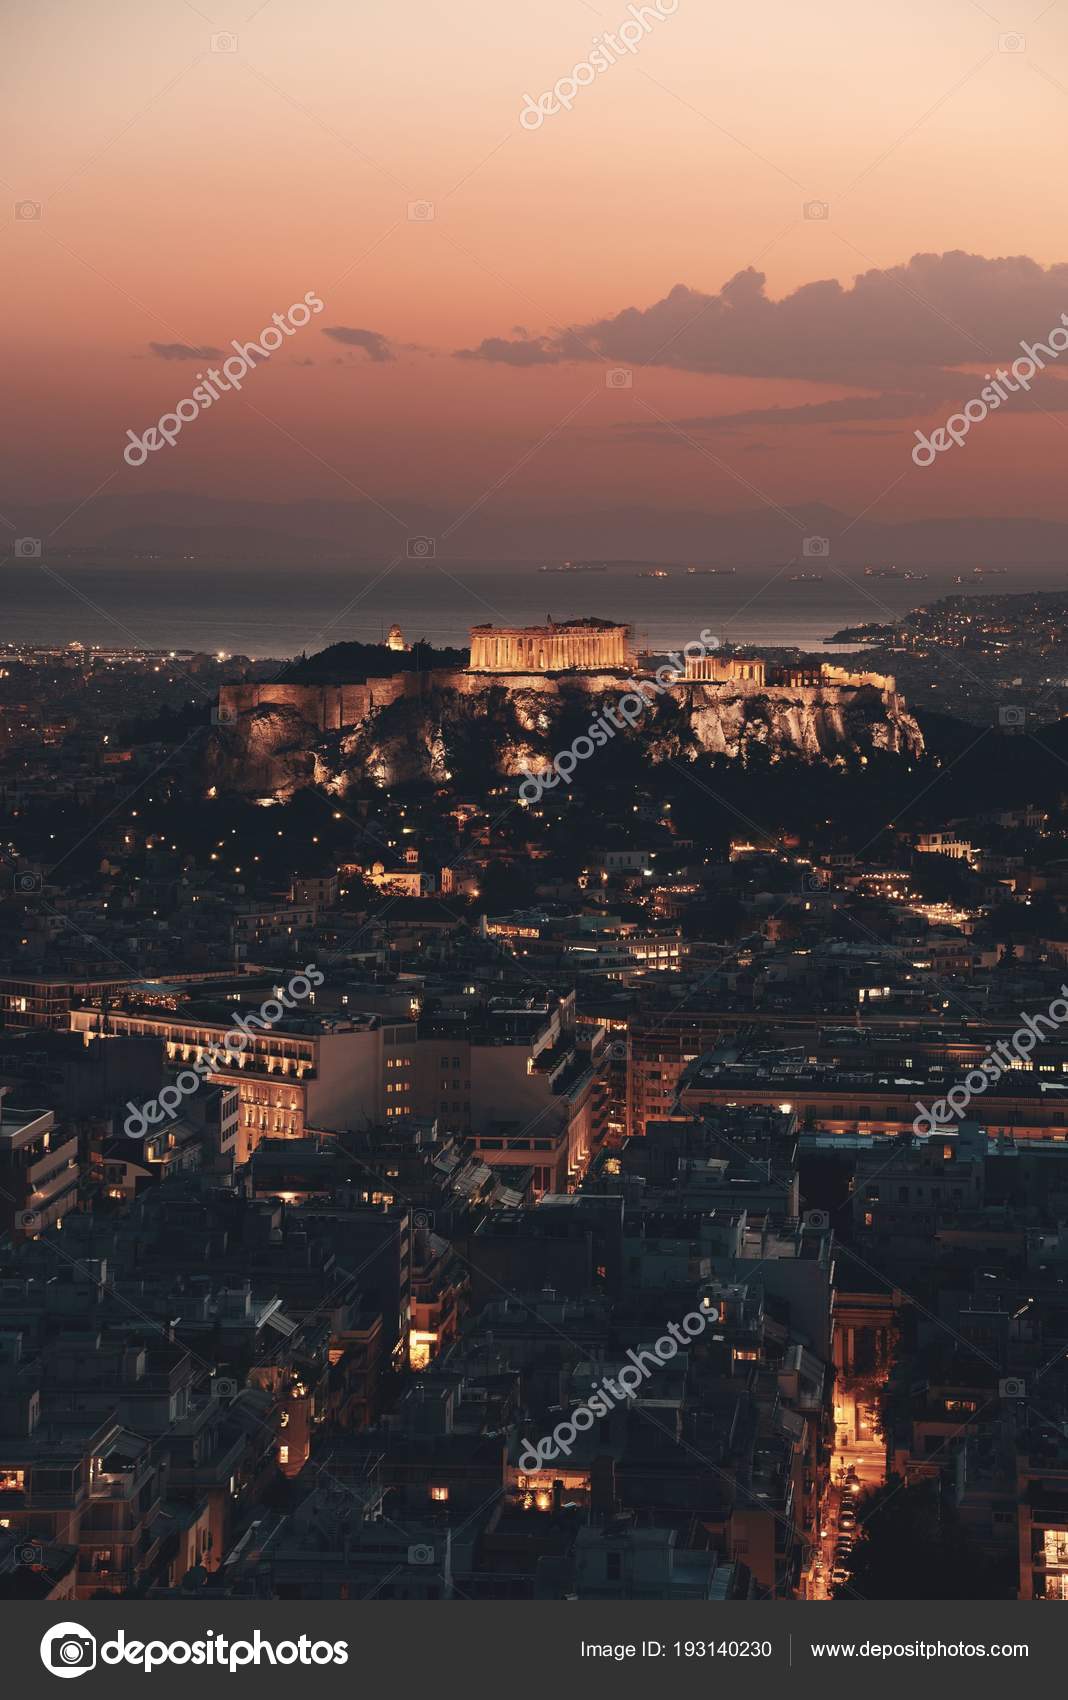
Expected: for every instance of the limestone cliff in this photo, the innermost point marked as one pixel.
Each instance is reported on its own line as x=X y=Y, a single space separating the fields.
x=815 y=722
x=480 y=729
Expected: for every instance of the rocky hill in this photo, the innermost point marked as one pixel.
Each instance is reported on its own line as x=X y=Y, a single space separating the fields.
x=475 y=731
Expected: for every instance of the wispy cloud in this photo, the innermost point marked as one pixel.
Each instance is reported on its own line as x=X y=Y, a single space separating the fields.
x=183 y=351
x=375 y=345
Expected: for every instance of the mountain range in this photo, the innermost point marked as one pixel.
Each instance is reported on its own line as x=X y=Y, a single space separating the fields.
x=176 y=524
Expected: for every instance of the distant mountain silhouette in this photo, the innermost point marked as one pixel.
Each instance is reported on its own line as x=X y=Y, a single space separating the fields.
x=180 y=523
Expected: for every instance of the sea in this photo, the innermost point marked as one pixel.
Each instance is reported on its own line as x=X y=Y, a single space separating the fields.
x=238 y=609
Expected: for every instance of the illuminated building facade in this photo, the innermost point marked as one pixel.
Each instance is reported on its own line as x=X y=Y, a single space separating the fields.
x=586 y=645
x=316 y=1072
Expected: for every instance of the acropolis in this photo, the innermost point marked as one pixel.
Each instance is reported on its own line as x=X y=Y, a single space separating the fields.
x=812 y=707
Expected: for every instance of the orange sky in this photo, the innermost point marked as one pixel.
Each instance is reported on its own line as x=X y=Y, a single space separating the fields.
x=187 y=194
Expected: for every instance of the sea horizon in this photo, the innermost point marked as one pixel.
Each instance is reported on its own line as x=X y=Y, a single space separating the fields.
x=268 y=612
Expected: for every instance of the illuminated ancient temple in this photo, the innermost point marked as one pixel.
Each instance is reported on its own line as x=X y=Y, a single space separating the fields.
x=725 y=669
x=586 y=645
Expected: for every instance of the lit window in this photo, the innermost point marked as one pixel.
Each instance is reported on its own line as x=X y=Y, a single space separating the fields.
x=440 y=1494
x=1056 y=1545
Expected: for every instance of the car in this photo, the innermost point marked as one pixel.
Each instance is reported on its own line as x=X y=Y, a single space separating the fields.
x=846 y=1518
x=838 y=1575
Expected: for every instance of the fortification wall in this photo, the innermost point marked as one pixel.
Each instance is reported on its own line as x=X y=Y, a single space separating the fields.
x=328 y=707
x=333 y=708
x=845 y=676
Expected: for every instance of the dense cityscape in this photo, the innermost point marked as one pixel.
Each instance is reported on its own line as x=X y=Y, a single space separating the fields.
x=433 y=1169
x=533 y=847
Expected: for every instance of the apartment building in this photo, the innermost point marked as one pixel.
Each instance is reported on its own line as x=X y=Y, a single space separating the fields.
x=39 y=1170
x=318 y=1072
x=513 y=1076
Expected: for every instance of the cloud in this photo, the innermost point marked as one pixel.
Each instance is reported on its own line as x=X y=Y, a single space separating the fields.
x=910 y=324
x=870 y=407
x=183 y=351
x=854 y=416
x=373 y=343
x=525 y=351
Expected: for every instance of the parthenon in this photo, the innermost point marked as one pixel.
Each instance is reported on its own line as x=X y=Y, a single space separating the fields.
x=586 y=645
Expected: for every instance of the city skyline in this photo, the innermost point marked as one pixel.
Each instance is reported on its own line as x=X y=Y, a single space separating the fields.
x=534 y=833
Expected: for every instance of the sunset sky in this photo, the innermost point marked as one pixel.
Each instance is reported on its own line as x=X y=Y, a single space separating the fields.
x=187 y=194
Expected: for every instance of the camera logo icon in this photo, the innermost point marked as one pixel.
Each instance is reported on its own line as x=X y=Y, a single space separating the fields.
x=1012 y=1387
x=27 y=548
x=421 y=549
x=818 y=1220
x=420 y=212
x=421 y=1554
x=1012 y=43
x=29 y=1221
x=224 y=42
x=223 y=715
x=619 y=378
x=816 y=548
x=816 y=209
x=68 y=1650
x=29 y=1555
x=1012 y=717
x=423 y=1219
x=25 y=211
x=27 y=884
x=223 y=1387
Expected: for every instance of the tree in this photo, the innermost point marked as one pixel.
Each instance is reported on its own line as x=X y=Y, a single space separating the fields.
x=504 y=887
x=912 y=1546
